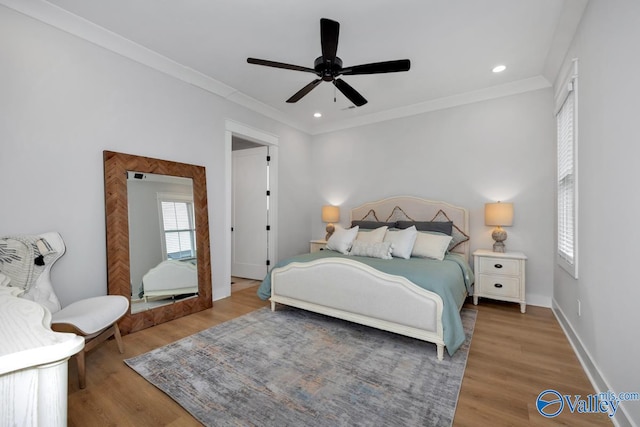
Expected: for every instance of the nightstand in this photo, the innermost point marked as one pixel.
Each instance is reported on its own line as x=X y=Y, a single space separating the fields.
x=317 y=245
x=499 y=276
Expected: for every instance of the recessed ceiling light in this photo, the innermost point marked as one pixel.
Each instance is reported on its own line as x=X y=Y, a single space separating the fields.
x=317 y=115
x=499 y=68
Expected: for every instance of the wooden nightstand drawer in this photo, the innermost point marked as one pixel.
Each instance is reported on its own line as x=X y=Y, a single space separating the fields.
x=502 y=266
x=499 y=287
x=317 y=245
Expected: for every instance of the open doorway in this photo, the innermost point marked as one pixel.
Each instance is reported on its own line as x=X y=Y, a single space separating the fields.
x=250 y=194
x=252 y=161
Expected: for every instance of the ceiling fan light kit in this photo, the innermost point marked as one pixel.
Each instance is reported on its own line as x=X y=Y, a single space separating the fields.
x=328 y=67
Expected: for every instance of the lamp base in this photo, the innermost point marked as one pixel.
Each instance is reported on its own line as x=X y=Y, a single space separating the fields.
x=330 y=229
x=499 y=235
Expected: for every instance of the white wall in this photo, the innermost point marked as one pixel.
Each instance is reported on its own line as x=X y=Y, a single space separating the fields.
x=64 y=100
x=503 y=149
x=606 y=46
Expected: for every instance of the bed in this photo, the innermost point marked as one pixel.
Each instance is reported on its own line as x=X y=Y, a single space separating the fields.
x=381 y=293
x=170 y=278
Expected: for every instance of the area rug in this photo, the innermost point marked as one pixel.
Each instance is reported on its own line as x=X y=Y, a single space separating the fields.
x=296 y=368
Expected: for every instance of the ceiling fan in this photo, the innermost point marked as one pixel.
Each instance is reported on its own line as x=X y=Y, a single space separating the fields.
x=328 y=67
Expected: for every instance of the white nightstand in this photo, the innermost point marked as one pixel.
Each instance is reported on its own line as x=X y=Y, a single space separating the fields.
x=317 y=245
x=500 y=276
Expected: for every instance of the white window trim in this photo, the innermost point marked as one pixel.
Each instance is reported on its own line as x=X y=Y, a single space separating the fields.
x=568 y=86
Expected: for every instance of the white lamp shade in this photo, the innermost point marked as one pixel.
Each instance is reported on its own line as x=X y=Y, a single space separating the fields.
x=330 y=214
x=498 y=214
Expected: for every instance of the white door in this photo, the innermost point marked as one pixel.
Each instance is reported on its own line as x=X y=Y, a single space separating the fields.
x=249 y=213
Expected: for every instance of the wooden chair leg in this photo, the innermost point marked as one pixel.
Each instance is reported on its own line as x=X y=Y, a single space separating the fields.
x=82 y=373
x=118 y=337
x=93 y=342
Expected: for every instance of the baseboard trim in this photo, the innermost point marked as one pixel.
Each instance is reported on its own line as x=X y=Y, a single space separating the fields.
x=539 y=300
x=596 y=378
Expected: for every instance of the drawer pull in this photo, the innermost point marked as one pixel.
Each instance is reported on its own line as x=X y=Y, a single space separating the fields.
x=498 y=265
x=498 y=285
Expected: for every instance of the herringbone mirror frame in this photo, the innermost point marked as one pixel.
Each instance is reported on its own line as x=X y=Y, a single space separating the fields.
x=116 y=166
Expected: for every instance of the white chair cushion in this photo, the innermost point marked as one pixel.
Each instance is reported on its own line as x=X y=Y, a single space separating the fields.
x=92 y=315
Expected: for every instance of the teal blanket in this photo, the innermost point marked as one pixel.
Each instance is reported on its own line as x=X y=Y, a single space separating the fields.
x=450 y=278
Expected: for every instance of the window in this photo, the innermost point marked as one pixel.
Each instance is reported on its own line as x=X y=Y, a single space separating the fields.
x=179 y=229
x=566 y=119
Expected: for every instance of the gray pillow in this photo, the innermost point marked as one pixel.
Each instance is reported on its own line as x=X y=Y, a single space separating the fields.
x=372 y=225
x=445 y=227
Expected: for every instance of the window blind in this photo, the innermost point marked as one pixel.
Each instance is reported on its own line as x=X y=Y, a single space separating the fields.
x=178 y=229
x=566 y=174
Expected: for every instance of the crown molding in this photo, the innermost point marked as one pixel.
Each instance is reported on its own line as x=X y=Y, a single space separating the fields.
x=493 y=92
x=63 y=20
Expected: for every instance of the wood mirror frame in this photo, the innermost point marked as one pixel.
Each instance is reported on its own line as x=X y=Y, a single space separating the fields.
x=116 y=166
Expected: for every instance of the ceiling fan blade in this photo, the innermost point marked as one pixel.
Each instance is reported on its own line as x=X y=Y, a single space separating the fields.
x=378 y=68
x=352 y=94
x=329 y=32
x=280 y=65
x=305 y=90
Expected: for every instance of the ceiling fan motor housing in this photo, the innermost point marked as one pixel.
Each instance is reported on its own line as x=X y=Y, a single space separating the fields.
x=326 y=69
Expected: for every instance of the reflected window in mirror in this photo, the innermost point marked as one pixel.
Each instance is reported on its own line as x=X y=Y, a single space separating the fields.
x=178 y=227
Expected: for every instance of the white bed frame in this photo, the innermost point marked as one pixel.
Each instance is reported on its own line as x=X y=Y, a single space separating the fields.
x=353 y=291
x=170 y=278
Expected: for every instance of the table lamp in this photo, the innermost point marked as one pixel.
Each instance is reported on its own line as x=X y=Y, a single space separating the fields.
x=330 y=214
x=498 y=215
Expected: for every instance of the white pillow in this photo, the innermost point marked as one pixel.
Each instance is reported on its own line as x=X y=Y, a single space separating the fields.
x=430 y=245
x=4 y=280
x=380 y=250
x=341 y=239
x=372 y=236
x=402 y=240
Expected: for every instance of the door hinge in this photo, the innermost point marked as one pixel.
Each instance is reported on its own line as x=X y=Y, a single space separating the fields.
x=268 y=192
x=268 y=262
x=268 y=158
x=268 y=228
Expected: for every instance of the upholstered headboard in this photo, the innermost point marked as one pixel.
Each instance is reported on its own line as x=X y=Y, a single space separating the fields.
x=410 y=208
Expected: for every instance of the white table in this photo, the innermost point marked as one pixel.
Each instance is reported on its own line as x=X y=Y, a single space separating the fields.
x=33 y=363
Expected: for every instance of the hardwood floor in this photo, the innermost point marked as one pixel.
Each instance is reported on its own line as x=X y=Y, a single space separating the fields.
x=239 y=283
x=513 y=358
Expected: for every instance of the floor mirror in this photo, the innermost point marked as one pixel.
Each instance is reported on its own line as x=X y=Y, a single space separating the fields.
x=157 y=228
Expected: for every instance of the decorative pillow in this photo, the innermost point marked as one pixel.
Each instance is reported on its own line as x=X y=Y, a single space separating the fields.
x=23 y=258
x=397 y=214
x=403 y=241
x=444 y=227
x=372 y=236
x=458 y=236
x=4 y=280
x=371 y=225
x=430 y=245
x=380 y=250
x=370 y=216
x=341 y=239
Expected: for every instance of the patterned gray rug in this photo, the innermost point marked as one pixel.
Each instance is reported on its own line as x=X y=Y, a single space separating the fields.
x=296 y=368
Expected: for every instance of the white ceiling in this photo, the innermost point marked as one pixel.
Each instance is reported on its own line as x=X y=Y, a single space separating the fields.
x=452 y=45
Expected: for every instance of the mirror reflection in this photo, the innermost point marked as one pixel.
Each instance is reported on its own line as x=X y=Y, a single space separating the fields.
x=162 y=240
